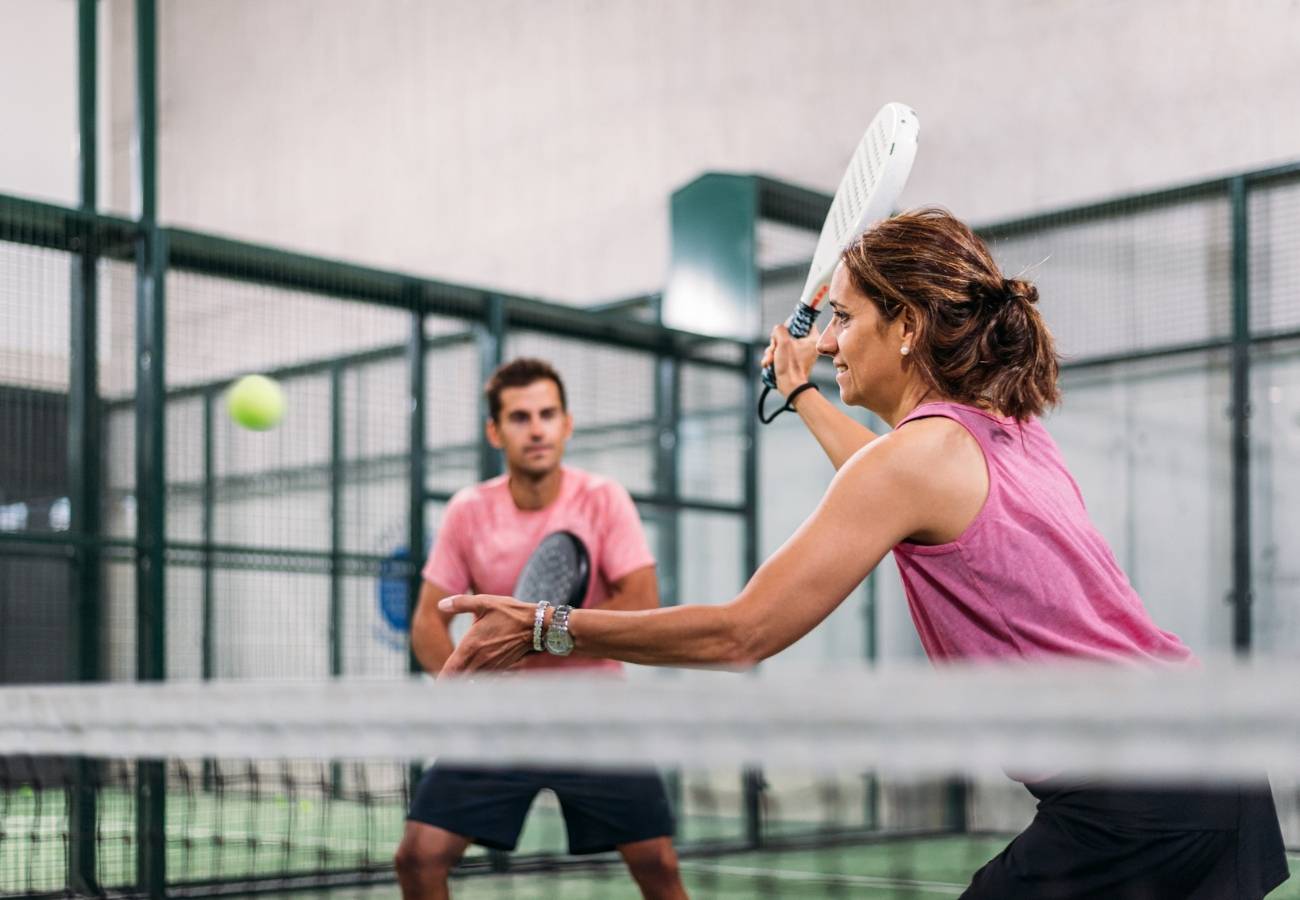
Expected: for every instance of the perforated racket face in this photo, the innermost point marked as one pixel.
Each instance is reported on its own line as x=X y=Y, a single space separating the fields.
x=556 y=572
x=867 y=193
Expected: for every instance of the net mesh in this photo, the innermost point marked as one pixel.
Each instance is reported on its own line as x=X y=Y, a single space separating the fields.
x=893 y=784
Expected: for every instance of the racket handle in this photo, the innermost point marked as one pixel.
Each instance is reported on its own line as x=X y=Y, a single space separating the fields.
x=799 y=324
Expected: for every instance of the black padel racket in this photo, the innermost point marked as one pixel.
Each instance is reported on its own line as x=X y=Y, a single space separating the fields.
x=557 y=572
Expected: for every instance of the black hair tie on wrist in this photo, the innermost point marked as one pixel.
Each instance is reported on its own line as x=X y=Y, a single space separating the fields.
x=789 y=401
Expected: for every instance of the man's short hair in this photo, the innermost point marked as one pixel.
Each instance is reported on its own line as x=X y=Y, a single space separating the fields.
x=520 y=373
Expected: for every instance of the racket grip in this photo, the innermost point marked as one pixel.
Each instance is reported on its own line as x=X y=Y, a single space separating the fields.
x=799 y=324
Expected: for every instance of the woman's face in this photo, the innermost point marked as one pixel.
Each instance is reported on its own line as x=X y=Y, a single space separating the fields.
x=865 y=351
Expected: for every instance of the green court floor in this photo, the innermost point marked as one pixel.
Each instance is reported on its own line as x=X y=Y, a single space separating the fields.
x=931 y=868
x=232 y=837
x=240 y=839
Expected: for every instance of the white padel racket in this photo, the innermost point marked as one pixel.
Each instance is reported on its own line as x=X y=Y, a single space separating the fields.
x=867 y=194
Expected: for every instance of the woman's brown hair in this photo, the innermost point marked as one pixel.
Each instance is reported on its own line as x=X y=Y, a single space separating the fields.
x=978 y=337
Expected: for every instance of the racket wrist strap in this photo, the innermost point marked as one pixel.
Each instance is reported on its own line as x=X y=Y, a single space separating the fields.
x=789 y=401
x=807 y=385
x=539 y=620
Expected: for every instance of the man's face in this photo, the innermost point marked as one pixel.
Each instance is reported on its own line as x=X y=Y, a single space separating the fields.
x=532 y=428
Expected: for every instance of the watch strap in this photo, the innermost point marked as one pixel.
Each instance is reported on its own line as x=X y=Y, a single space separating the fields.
x=560 y=623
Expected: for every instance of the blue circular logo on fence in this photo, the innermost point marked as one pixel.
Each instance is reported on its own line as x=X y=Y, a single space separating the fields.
x=394 y=580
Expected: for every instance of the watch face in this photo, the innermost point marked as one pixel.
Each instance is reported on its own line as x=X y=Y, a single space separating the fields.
x=558 y=642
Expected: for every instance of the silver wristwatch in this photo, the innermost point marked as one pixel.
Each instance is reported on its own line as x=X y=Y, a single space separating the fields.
x=558 y=640
x=538 y=619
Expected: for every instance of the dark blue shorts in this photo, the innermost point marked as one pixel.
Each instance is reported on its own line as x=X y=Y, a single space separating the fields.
x=1093 y=842
x=601 y=810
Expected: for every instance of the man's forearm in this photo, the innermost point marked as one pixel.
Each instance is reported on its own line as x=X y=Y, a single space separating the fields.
x=638 y=589
x=431 y=640
x=839 y=434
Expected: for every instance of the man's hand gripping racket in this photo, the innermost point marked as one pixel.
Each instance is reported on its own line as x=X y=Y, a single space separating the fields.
x=867 y=194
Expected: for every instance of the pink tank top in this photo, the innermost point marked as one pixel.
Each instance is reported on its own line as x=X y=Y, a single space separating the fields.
x=1030 y=577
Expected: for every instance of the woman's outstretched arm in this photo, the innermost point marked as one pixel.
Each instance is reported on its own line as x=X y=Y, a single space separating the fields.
x=882 y=495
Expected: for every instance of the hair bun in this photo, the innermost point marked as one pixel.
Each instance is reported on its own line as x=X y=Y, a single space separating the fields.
x=1019 y=289
x=990 y=296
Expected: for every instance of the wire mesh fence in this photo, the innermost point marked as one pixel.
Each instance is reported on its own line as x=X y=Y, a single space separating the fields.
x=289 y=553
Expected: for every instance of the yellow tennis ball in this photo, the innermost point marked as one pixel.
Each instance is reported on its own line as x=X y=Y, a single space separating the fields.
x=256 y=402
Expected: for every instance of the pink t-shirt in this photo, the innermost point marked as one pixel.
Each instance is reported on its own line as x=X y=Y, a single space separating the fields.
x=1030 y=577
x=485 y=539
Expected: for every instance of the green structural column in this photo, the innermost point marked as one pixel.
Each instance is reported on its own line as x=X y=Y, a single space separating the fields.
x=85 y=452
x=1242 y=596
x=207 y=528
x=667 y=513
x=150 y=448
x=336 y=505
x=151 y=581
x=714 y=288
x=338 y=470
x=491 y=353
x=713 y=284
x=754 y=783
x=667 y=438
x=416 y=350
x=207 y=534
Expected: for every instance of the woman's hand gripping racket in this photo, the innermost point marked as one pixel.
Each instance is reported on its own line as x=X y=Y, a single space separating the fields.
x=867 y=194
x=558 y=571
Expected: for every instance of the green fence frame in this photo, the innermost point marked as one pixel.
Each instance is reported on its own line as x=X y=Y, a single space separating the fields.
x=155 y=250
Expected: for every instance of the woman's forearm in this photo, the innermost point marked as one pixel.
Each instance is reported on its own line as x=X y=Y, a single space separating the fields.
x=794 y=590
x=839 y=434
x=675 y=635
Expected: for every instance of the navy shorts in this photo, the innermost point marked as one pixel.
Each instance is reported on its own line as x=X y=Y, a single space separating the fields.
x=602 y=810
x=1089 y=842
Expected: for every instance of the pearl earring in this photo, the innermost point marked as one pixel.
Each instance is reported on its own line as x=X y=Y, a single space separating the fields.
x=904 y=350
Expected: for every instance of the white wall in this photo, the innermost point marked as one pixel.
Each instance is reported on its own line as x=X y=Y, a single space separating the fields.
x=38 y=106
x=38 y=49
x=533 y=146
